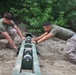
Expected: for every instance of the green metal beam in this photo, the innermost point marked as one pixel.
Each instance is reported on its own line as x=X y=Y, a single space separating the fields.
x=35 y=61
x=21 y=64
x=18 y=65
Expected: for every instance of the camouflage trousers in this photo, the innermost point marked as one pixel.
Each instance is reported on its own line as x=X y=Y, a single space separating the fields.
x=12 y=32
x=70 y=48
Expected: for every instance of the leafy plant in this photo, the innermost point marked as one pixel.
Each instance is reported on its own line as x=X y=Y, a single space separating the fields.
x=35 y=12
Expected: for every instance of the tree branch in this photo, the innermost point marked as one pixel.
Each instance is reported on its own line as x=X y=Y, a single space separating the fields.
x=72 y=9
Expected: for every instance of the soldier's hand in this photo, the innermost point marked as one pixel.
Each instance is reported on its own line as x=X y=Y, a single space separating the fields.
x=33 y=39
x=15 y=47
x=34 y=42
x=23 y=38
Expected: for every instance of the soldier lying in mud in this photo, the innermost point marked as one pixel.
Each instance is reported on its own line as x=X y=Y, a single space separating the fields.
x=62 y=33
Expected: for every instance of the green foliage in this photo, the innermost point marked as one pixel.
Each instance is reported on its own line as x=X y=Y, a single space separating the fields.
x=36 y=12
x=61 y=21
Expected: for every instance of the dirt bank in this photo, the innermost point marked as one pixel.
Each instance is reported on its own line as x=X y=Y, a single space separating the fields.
x=52 y=61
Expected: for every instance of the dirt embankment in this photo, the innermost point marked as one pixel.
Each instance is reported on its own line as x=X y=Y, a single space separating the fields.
x=52 y=61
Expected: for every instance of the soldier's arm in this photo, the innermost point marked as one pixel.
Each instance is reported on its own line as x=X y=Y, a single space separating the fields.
x=41 y=36
x=19 y=32
x=45 y=37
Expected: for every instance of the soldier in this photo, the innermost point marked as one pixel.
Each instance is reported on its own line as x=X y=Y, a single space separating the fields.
x=8 y=30
x=62 y=33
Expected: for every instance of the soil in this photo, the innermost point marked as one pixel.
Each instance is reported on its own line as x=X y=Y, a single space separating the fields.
x=51 y=58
